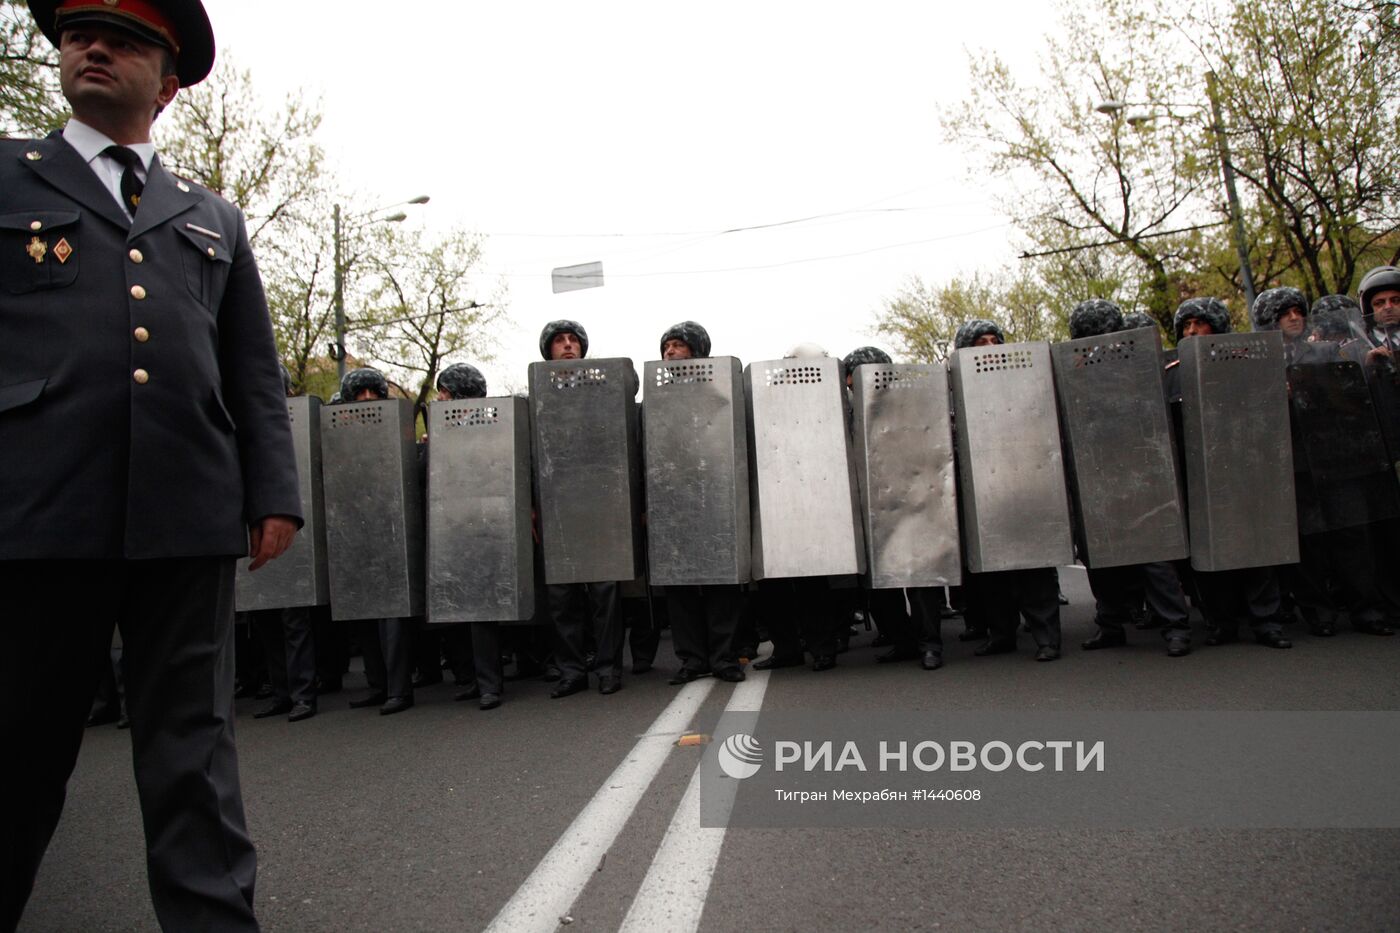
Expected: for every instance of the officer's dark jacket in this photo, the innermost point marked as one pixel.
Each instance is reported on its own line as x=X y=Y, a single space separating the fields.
x=94 y=464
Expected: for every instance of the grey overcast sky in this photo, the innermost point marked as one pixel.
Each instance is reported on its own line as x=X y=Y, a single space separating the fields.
x=638 y=133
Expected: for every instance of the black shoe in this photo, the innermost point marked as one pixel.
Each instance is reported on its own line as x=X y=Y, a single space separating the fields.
x=1178 y=647
x=1322 y=629
x=683 y=676
x=995 y=646
x=567 y=688
x=427 y=680
x=773 y=662
x=1105 y=638
x=472 y=693
x=396 y=705
x=1222 y=636
x=931 y=661
x=823 y=662
x=551 y=674
x=881 y=641
x=489 y=701
x=264 y=692
x=972 y=634
x=641 y=667
x=327 y=687
x=609 y=685
x=897 y=653
x=1273 y=640
x=301 y=711
x=365 y=702
x=275 y=708
x=103 y=718
x=123 y=722
x=730 y=675
x=1047 y=653
x=1368 y=627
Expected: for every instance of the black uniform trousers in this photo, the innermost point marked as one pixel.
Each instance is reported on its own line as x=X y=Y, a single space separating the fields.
x=1335 y=572
x=1250 y=594
x=926 y=627
x=1119 y=590
x=332 y=640
x=572 y=607
x=387 y=646
x=1002 y=597
x=291 y=652
x=176 y=619
x=703 y=622
x=799 y=613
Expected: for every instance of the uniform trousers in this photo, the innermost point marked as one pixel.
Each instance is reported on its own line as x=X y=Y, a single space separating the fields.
x=703 y=622
x=1385 y=545
x=1003 y=597
x=291 y=652
x=176 y=620
x=1118 y=591
x=1335 y=571
x=926 y=626
x=332 y=640
x=798 y=612
x=387 y=646
x=574 y=607
x=1250 y=594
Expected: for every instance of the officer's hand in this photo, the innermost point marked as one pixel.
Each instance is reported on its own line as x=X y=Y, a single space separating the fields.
x=1377 y=355
x=269 y=539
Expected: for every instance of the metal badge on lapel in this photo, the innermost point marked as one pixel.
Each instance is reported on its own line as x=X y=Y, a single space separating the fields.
x=33 y=155
x=62 y=250
x=36 y=249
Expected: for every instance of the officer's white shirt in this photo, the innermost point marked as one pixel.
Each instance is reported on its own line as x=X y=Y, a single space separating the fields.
x=1378 y=337
x=90 y=143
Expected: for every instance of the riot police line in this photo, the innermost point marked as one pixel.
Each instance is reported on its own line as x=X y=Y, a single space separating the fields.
x=1244 y=473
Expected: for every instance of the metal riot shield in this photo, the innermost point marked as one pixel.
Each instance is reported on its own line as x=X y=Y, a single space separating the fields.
x=1014 y=507
x=481 y=563
x=587 y=469
x=299 y=577
x=1238 y=451
x=907 y=472
x=1344 y=476
x=374 y=510
x=696 y=451
x=802 y=486
x=1117 y=435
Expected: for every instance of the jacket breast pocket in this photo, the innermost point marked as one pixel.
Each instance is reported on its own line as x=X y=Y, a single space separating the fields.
x=39 y=250
x=207 y=261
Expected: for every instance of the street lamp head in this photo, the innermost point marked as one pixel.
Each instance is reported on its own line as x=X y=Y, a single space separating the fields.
x=1111 y=106
x=395 y=218
x=421 y=199
x=1139 y=118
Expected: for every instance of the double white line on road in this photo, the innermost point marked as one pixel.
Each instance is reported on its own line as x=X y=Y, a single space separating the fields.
x=681 y=871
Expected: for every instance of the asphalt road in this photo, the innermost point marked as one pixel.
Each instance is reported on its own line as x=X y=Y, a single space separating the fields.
x=434 y=819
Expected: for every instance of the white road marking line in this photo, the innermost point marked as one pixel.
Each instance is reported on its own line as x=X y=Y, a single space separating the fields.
x=566 y=869
x=673 y=894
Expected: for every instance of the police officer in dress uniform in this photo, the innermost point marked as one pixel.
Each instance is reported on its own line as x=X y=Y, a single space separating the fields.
x=571 y=605
x=703 y=618
x=1228 y=596
x=386 y=644
x=134 y=318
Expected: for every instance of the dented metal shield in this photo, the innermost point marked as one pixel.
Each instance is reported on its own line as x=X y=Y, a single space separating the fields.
x=1119 y=458
x=481 y=564
x=697 y=472
x=802 y=486
x=1014 y=507
x=907 y=475
x=1238 y=451
x=300 y=576
x=587 y=469
x=374 y=510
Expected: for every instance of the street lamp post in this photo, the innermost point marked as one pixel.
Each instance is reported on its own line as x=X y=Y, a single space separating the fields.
x=1227 y=169
x=341 y=266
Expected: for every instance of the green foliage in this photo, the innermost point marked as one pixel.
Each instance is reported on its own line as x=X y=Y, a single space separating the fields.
x=30 y=101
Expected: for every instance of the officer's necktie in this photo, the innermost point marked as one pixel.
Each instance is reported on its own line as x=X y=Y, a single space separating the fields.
x=132 y=185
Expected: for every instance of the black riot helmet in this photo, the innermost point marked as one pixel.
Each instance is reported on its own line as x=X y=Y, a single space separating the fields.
x=1095 y=317
x=1343 y=303
x=862 y=355
x=1210 y=310
x=969 y=332
x=1135 y=319
x=462 y=380
x=1270 y=305
x=1378 y=279
x=692 y=335
x=357 y=380
x=555 y=328
x=1329 y=323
